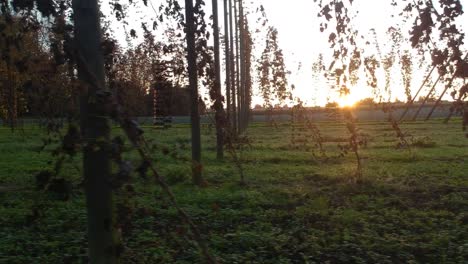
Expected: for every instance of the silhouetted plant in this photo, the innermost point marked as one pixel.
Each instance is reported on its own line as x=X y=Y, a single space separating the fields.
x=356 y=140
x=305 y=131
x=427 y=18
x=235 y=146
x=272 y=73
x=402 y=136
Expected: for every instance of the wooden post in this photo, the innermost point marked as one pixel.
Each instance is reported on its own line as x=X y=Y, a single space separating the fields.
x=217 y=83
x=193 y=84
x=242 y=68
x=408 y=105
x=228 y=62
x=233 y=77
x=425 y=99
x=95 y=130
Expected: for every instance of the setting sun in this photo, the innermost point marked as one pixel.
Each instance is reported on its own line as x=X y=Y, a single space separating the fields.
x=346 y=101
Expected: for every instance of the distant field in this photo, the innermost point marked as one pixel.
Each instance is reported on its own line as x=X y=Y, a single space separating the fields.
x=320 y=114
x=298 y=206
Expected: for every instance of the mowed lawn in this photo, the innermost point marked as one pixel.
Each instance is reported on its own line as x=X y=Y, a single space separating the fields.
x=298 y=206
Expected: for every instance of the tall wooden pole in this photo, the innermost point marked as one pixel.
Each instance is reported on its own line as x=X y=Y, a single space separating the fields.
x=426 y=99
x=410 y=103
x=193 y=85
x=95 y=130
x=242 y=67
x=237 y=62
x=228 y=62
x=217 y=83
x=440 y=97
x=233 y=77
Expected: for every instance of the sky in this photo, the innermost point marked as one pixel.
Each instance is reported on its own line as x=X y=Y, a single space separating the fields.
x=298 y=27
x=301 y=40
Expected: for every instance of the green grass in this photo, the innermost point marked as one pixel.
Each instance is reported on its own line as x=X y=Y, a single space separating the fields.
x=411 y=207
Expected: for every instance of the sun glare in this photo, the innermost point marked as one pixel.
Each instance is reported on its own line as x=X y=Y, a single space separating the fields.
x=346 y=101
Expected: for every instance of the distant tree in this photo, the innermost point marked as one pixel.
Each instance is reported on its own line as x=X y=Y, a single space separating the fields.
x=264 y=73
x=366 y=101
x=175 y=62
x=404 y=57
x=272 y=70
x=406 y=73
x=331 y=105
x=135 y=74
x=258 y=107
x=10 y=75
x=354 y=65
x=371 y=64
x=31 y=82
x=318 y=72
x=387 y=62
x=430 y=99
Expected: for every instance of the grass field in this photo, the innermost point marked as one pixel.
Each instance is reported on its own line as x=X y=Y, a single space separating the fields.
x=297 y=207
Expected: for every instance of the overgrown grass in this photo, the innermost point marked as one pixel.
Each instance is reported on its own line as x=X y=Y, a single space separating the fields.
x=411 y=207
